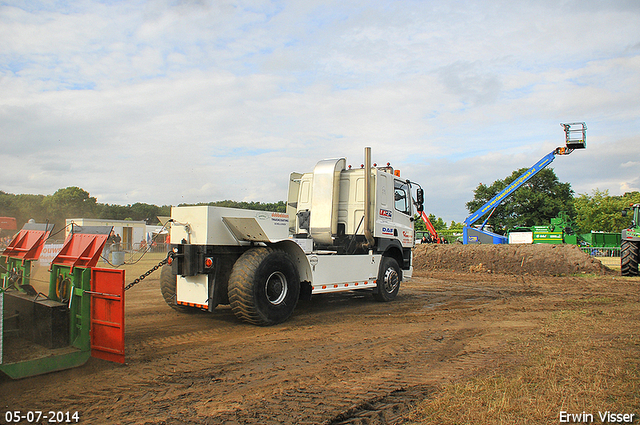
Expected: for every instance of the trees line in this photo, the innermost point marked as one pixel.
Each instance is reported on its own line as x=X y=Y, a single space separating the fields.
x=74 y=202
x=534 y=204
x=540 y=199
x=602 y=212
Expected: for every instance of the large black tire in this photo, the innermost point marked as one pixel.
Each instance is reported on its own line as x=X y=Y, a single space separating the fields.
x=389 y=278
x=168 y=288
x=264 y=287
x=629 y=252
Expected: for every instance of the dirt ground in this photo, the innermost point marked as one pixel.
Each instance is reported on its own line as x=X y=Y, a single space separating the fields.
x=537 y=260
x=340 y=359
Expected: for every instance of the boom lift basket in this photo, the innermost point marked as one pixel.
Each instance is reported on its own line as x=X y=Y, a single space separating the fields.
x=576 y=135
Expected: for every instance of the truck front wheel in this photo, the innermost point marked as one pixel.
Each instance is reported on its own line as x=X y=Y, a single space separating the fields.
x=264 y=287
x=629 y=253
x=388 y=280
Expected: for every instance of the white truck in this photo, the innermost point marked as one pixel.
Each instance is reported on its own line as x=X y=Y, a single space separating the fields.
x=344 y=229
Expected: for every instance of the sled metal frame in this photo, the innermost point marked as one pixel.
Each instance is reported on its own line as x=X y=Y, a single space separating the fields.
x=16 y=260
x=74 y=264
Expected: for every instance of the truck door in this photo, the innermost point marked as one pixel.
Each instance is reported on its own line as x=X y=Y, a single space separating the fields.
x=402 y=213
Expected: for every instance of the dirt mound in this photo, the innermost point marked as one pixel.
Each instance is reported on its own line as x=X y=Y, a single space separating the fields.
x=538 y=259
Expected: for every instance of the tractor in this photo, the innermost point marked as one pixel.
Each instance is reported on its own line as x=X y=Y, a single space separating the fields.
x=630 y=244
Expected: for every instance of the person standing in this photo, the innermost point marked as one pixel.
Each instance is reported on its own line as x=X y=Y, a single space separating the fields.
x=118 y=239
x=108 y=247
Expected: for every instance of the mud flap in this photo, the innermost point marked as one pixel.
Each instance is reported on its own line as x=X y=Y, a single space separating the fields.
x=107 y=314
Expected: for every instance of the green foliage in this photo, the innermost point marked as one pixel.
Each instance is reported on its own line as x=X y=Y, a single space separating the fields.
x=535 y=203
x=22 y=207
x=137 y=212
x=71 y=202
x=438 y=223
x=456 y=227
x=418 y=224
x=602 y=212
x=114 y=212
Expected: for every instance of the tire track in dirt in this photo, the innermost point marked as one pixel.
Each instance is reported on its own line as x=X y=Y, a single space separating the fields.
x=315 y=399
x=341 y=359
x=237 y=393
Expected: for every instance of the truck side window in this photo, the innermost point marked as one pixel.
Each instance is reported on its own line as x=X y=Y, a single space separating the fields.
x=401 y=196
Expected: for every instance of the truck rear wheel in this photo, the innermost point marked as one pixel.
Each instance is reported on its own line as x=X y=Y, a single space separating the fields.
x=629 y=252
x=388 y=280
x=264 y=287
x=168 y=289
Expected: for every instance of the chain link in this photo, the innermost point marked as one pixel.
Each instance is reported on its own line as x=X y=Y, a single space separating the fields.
x=143 y=276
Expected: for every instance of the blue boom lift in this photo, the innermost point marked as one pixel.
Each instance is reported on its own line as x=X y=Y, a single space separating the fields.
x=575 y=138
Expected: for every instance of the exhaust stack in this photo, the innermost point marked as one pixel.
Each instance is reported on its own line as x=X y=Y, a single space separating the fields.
x=367 y=199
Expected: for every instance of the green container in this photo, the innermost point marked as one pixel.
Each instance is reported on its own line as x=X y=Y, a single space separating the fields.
x=587 y=238
x=605 y=240
x=571 y=239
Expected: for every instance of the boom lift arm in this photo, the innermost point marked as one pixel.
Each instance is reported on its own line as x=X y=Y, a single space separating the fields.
x=572 y=142
x=429 y=226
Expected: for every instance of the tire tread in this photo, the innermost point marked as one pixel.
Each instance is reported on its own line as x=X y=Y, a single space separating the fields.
x=241 y=285
x=629 y=252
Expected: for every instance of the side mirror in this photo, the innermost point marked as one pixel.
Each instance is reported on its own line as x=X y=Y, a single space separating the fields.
x=420 y=200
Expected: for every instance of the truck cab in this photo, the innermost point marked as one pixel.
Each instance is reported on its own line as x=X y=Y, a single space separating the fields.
x=327 y=211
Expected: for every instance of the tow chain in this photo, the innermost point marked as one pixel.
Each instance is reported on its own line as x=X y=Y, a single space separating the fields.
x=143 y=276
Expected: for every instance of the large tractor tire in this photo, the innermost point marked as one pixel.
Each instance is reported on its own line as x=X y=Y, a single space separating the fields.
x=168 y=288
x=264 y=287
x=629 y=252
x=389 y=278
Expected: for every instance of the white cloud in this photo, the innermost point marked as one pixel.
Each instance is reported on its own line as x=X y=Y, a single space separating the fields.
x=167 y=102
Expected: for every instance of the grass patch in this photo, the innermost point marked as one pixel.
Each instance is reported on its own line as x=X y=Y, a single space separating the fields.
x=585 y=359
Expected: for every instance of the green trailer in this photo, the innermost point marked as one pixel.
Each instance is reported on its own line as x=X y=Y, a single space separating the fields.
x=605 y=239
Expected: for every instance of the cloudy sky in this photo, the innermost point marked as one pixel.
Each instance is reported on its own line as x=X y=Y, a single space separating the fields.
x=165 y=102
